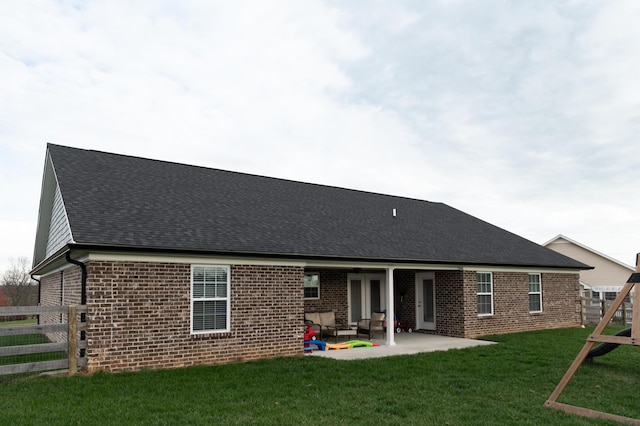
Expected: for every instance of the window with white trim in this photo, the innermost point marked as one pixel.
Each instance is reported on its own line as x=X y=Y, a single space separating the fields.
x=210 y=300
x=485 y=293
x=535 y=293
x=311 y=285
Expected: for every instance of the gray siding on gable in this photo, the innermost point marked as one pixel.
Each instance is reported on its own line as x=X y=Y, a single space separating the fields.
x=59 y=230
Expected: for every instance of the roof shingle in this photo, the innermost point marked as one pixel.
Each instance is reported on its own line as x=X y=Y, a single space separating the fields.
x=121 y=201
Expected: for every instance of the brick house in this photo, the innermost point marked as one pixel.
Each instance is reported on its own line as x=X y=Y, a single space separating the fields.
x=182 y=265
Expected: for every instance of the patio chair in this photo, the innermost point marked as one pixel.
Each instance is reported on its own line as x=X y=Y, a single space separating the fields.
x=372 y=325
x=325 y=324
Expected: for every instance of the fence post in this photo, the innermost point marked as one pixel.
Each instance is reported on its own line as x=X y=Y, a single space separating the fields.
x=72 y=340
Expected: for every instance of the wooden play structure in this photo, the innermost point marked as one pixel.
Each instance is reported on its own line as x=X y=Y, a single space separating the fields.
x=629 y=337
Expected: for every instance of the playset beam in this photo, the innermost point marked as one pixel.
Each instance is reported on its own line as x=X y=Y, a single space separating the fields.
x=597 y=336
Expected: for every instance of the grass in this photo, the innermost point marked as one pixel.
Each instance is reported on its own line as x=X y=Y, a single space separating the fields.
x=26 y=339
x=506 y=383
x=27 y=321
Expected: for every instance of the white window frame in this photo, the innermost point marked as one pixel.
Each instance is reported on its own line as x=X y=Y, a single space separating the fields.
x=317 y=274
x=479 y=293
x=226 y=298
x=539 y=292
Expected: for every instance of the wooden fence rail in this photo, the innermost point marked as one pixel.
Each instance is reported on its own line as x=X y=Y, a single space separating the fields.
x=72 y=343
x=594 y=309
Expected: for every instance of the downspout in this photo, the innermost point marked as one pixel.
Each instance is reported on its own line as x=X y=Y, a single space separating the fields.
x=83 y=282
x=39 y=287
x=39 y=292
x=83 y=294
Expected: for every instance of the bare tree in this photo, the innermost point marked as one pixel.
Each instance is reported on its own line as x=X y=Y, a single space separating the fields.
x=17 y=284
x=3 y=299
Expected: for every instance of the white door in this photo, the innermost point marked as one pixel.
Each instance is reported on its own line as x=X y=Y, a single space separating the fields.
x=366 y=294
x=426 y=301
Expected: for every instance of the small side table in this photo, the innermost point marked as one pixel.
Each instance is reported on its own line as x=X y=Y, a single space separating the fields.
x=351 y=331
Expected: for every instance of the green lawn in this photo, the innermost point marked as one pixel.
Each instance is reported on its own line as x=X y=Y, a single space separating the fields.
x=26 y=339
x=28 y=321
x=499 y=384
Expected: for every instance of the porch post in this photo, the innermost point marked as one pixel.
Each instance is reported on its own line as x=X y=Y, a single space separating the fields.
x=390 y=309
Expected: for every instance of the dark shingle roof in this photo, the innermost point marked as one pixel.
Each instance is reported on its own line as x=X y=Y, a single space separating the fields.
x=122 y=201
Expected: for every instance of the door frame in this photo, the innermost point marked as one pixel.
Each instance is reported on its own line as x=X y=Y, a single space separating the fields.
x=365 y=288
x=420 y=324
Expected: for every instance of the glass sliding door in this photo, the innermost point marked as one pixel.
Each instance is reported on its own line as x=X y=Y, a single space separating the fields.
x=366 y=295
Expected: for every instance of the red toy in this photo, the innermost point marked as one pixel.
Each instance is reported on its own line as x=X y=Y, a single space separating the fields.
x=309 y=335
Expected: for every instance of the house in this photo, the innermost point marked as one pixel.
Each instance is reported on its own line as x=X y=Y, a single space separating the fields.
x=182 y=265
x=608 y=275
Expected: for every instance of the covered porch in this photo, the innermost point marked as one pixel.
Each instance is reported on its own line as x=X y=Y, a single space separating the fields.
x=420 y=297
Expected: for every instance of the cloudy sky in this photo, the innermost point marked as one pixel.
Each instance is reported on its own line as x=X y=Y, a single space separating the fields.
x=523 y=113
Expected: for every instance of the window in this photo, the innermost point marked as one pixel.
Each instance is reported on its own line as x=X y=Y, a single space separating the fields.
x=210 y=302
x=535 y=293
x=311 y=286
x=485 y=293
x=610 y=295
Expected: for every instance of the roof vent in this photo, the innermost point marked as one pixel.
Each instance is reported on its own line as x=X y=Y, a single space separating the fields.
x=395 y=212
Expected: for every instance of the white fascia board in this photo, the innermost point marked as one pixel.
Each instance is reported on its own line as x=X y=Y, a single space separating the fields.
x=47 y=191
x=380 y=265
x=336 y=264
x=164 y=258
x=45 y=208
x=203 y=259
x=529 y=269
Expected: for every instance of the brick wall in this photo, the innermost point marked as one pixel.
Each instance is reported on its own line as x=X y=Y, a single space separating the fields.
x=450 y=303
x=59 y=288
x=404 y=285
x=333 y=294
x=139 y=312
x=139 y=316
x=560 y=299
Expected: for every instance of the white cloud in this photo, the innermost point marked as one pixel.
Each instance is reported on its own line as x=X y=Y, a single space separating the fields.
x=16 y=240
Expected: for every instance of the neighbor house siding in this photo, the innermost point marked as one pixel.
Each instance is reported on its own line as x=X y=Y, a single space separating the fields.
x=560 y=304
x=139 y=316
x=606 y=271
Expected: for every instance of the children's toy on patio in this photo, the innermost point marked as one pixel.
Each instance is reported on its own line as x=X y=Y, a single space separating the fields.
x=309 y=336
x=310 y=333
x=403 y=326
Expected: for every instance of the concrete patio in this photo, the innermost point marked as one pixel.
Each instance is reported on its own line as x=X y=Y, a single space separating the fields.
x=406 y=344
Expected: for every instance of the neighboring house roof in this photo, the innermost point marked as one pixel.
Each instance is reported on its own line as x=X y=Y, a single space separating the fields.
x=608 y=273
x=118 y=201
